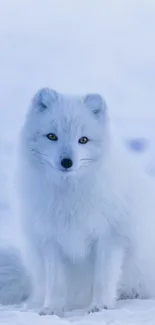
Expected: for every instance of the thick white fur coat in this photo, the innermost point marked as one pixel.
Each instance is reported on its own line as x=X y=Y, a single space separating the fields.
x=89 y=230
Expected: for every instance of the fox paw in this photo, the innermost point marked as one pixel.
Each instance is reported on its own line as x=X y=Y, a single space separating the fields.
x=98 y=307
x=46 y=311
x=93 y=309
x=51 y=311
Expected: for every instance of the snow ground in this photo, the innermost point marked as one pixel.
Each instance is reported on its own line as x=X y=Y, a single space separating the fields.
x=127 y=313
x=78 y=46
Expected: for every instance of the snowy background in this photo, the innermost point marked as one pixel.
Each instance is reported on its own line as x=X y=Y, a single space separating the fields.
x=79 y=46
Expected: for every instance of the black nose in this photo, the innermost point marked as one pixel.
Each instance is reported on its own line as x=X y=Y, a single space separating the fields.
x=66 y=163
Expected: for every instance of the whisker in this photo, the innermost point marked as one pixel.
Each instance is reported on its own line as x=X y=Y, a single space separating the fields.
x=40 y=153
x=88 y=159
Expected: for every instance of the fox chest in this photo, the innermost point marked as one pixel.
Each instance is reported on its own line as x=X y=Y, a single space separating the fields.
x=76 y=242
x=74 y=235
x=73 y=225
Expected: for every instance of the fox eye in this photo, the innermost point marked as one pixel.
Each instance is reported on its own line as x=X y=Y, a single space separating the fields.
x=83 y=140
x=52 y=137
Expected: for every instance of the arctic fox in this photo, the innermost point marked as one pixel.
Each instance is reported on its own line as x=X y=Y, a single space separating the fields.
x=87 y=216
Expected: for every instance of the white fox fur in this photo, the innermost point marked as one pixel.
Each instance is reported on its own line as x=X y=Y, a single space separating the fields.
x=15 y=284
x=89 y=229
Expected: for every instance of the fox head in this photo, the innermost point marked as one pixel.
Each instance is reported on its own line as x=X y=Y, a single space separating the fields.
x=67 y=133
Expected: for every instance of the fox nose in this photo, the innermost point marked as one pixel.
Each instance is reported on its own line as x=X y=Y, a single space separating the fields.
x=66 y=163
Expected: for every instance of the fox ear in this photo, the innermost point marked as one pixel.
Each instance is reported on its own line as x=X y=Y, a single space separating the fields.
x=96 y=103
x=45 y=97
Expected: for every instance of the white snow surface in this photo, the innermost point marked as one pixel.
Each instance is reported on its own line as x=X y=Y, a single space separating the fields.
x=127 y=313
x=77 y=46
